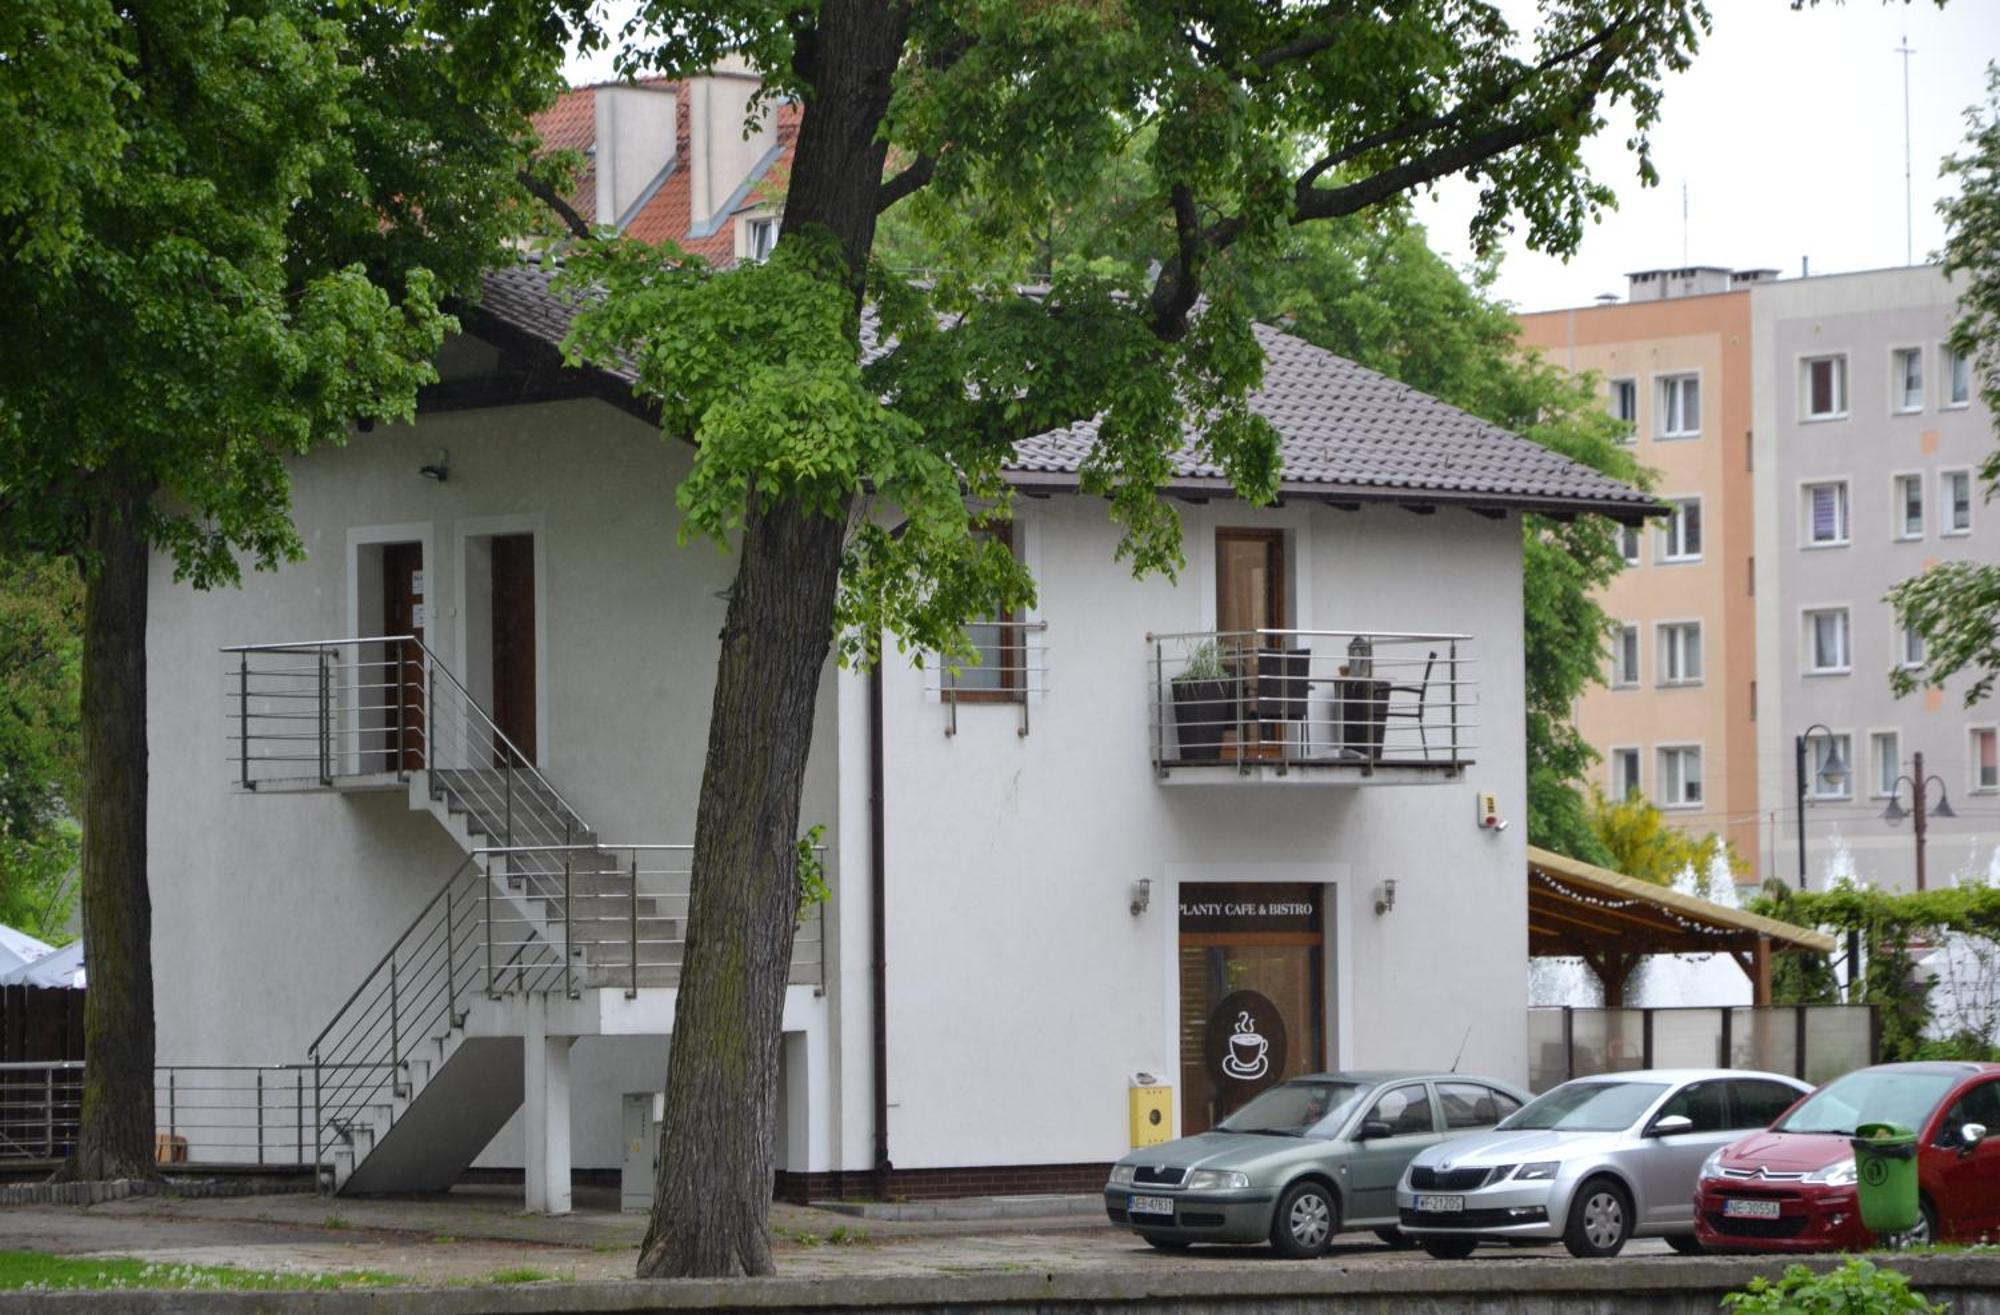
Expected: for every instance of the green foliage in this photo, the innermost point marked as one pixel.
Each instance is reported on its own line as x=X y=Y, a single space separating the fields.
x=1204 y=662
x=1955 y=606
x=813 y=889
x=1856 y=1288
x=37 y=1271
x=1643 y=845
x=41 y=603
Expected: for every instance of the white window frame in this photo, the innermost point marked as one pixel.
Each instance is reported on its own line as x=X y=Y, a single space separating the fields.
x=1612 y=756
x=1899 y=655
x=1806 y=363
x=1611 y=387
x=1620 y=679
x=1663 y=549
x=1631 y=541
x=1843 y=513
x=1817 y=748
x=1899 y=527
x=1972 y=782
x=1809 y=651
x=1664 y=633
x=1670 y=381
x=1665 y=803
x=751 y=228
x=1946 y=530
x=1898 y=397
x=1877 y=789
x=1948 y=359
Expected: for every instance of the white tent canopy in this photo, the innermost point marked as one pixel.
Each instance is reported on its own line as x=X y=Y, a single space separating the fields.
x=27 y=961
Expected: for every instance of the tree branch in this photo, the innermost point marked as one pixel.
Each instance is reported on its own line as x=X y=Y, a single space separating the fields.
x=549 y=197
x=910 y=180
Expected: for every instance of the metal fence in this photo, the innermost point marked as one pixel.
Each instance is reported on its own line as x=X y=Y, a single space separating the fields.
x=40 y=1102
x=1812 y=1042
x=236 y=1114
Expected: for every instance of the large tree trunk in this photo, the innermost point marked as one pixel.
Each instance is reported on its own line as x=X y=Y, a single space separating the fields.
x=712 y=1197
x=115 y=1139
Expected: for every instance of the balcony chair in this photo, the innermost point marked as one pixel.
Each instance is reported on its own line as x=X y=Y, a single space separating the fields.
x=1414 y=711
x=1283 y=692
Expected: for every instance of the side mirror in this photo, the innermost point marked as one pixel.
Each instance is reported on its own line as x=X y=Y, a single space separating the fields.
x=1971 y=1135
x=1669 y=1126
x=1374 y=1129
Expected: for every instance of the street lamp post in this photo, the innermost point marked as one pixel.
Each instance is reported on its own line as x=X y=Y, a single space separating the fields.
x=1833 y=773
x=1919 y=796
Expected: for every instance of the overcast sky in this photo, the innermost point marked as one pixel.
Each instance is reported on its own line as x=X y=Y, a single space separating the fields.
x=1788 y=133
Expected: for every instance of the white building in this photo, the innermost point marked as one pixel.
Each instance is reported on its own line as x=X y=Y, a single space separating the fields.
x=1070 y=886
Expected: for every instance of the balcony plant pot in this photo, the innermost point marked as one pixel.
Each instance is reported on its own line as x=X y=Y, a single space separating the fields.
x=1204 y=705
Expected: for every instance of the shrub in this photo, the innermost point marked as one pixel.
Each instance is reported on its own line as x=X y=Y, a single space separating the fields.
x=1856 y=1288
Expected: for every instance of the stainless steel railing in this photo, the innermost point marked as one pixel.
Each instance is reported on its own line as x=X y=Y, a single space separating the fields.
x=1012 y=667
x=41 y=1104
x=241 y=1114
x=511 y=920
x=1315 y=698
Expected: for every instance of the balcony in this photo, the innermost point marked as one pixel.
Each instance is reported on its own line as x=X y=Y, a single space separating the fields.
x=1299 y=707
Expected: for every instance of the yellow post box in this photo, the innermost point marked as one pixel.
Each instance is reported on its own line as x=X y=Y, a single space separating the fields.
x=1152 y=1108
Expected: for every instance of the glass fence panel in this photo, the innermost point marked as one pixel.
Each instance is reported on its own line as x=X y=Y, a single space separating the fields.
x=1764 y=1039
x=1608 y=1040
x=1548 y=1058
x=1687 y=1038
x=1839 y=1039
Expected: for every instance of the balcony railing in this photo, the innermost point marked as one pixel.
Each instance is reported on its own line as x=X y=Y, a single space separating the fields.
x=1315 y=704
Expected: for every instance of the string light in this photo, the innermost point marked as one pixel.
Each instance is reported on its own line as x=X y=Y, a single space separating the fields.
x=1614 y=905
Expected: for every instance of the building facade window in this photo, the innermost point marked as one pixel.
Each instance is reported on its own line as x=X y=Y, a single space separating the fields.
x=1886 y=749
x=1680 y=776
x=1909 y=508
x=1680 y=537
x=1680 y=406
x=1826 y=641
x=760 y=238
x=1625 y=657
x=1956 y=497
x=1826 y=514
x=1985 y=758
x=1823 y=384
x=1624 y=774
x=1680 y=653
x=1624 y=405
x=1906 y=379
x=1000 y=674
x=1822 y=749
x=1628 y=544
x=1957 y=378
x=1909 y=647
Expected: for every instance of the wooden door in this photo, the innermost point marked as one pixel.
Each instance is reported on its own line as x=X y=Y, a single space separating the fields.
x=1249 y=580
x=404 y=613
x=514 y=672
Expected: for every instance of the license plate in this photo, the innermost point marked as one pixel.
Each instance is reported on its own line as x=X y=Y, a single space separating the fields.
x=1151 y=1205
x=1737 y=1207
x=1441 y=1205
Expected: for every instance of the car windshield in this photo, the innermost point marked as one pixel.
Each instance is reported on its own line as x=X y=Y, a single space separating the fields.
x=1295 y=1109
x=1586 y=1107
x=1869 y=1096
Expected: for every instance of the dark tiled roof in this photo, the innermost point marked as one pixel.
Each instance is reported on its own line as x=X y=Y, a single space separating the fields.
x=1345 y=431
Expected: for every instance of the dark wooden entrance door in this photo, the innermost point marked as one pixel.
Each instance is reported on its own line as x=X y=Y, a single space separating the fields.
x=514 y=644
x=403 y=613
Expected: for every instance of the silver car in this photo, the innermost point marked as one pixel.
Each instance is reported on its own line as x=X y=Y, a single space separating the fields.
x=1595 y=1162
x=1302 y=1161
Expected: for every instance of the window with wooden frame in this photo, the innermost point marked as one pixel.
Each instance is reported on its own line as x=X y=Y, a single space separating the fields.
x=1000 y=676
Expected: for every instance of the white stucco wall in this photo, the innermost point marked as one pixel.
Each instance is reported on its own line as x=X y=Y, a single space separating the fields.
x=1022 y=992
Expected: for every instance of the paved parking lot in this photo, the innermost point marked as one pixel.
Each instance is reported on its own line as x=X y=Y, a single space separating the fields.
x=474 y=1233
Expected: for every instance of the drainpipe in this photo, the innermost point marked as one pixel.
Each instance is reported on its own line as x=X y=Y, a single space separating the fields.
x=878 y=968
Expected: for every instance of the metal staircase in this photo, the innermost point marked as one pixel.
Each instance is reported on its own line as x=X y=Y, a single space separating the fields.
x=422 y=1064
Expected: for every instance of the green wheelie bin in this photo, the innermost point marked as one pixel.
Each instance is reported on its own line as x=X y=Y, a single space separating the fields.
x=1885 y=1163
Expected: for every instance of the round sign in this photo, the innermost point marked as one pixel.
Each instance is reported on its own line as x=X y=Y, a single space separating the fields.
x=1245 y=1048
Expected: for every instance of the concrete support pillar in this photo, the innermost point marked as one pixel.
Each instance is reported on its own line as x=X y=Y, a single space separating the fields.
x=545 y=1088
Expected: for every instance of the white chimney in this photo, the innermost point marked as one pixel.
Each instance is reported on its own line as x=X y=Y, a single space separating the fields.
x=635 y=141
x=720 y=156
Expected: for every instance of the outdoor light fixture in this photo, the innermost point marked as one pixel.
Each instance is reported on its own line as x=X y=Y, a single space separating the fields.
x=1833 y=773
x=1387 y=899
x=1920 y=789
x=441 y=469
x=1142 y=895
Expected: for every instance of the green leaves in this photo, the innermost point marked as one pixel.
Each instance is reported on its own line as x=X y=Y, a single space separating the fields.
x=1856 y=1286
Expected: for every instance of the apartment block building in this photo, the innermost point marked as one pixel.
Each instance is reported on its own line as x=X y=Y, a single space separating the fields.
x=1869 y=433
x=1674 y=717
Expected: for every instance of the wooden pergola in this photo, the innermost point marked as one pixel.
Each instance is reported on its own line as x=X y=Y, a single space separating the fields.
x=1611 y=921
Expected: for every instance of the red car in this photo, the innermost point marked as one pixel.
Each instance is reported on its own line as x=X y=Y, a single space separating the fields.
x=1791 y=1187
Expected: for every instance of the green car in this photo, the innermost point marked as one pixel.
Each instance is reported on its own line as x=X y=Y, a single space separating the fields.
x=1302 y=1161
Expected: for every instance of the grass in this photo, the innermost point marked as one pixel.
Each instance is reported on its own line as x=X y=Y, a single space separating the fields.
x=522 y=1274
x=37 y=1271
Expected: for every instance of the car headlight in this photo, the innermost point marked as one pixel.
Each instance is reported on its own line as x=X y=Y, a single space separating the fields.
x=1538 y=1171
x=1210 y=1180
x=1712 y=1166
x=1121 y=1174
x=1835 y=1175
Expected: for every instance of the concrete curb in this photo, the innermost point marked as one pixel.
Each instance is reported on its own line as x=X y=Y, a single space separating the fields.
x=120 y=1189
x=1970 y=1282
x=973 y=1209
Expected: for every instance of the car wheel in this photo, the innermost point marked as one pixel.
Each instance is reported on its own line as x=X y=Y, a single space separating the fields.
x=1305 y=1221
x=1924 y=1234
x=1448 y=1248
x=1600 y=1220
x=1686 y=1244
x=1396 y=1239
x=1167 y=1243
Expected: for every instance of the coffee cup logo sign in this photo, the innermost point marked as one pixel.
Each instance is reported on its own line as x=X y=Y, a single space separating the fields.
x=1245 y=1049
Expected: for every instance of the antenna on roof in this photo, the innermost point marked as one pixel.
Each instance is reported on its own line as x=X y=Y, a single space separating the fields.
x=1461 y=1050
x=1684 y=222
x=1909 y=221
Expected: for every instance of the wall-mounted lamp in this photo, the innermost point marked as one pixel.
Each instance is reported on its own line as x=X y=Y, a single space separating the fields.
x=1142 y=895
x=1386 y=900
x=441 y=471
